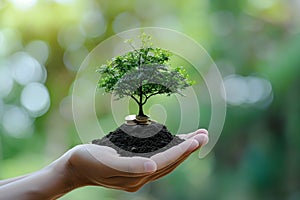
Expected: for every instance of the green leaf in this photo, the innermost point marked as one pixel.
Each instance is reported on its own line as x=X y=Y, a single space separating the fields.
x=143 y=72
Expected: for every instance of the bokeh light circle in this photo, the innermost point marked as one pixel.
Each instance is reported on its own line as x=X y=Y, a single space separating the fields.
x=85 y=86
x=26 y=69
x=6 y=81
x=35 y=98
x=16 y=122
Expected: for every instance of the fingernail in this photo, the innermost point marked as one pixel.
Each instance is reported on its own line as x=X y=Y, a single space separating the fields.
x=202 y=131
x=149 y=166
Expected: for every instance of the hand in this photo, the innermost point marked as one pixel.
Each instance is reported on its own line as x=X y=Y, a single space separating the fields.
x=91 y=164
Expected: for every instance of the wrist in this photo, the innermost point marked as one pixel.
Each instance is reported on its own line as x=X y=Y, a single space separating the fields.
x=55 y=180
x=48 y=183
x=52 y=183
x=63 y=177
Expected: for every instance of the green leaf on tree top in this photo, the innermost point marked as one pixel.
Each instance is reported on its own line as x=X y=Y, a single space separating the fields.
x=142 y=73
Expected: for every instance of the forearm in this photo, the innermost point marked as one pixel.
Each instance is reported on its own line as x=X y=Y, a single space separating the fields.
x=48 y=183
x=6 y=181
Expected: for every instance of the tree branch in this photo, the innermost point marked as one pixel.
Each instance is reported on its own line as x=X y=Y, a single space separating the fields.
x=153 y=94
x=135 y=99
x=147 y=97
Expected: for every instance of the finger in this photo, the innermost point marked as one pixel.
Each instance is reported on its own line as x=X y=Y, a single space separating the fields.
x=127 y=166
x=202 y=139
x=134 y=164
x=130 y=165
x=187 y=136
x=108 y=150
x=202 y=131
x=164 y=171
x=171 y=155
x=191 y=135
x=126 y=182
x=168 y=169
x=100 y=155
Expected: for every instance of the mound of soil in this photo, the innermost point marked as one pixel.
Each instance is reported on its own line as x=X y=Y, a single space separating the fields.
x=140 y=139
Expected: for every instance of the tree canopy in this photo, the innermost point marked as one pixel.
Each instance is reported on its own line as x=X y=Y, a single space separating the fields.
x=142 y=73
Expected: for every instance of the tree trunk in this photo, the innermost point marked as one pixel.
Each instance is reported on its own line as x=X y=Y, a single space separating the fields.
x=141 y=111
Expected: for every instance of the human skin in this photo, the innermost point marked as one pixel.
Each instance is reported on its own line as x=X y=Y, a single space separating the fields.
x=90 y=164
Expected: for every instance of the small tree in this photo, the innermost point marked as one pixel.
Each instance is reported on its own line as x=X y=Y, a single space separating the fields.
x=141 y=74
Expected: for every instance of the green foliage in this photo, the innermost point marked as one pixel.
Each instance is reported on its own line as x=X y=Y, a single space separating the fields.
x=142 y=73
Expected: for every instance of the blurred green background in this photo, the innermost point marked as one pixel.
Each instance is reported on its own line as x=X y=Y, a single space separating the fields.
x=256 y=45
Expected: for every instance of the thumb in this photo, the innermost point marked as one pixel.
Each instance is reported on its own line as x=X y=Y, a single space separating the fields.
x=130 y=164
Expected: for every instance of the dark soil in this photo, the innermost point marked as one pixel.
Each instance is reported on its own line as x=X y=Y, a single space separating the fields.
x=139 y=140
